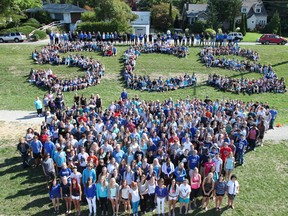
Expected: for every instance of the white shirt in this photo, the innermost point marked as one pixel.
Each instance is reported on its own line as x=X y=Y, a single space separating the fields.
x=78 y=176
x=82 y=158
x=134 y=194
x=125 y=192
x=218 y=163
x=232 y=187
x=184 y=190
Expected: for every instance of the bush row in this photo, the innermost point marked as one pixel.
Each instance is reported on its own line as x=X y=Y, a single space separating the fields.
x=97 y=26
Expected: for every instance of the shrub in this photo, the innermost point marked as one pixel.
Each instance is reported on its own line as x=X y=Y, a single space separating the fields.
x=35 y=37
x=210 y=31
x=97 y=26
x=32 y=22
x=88 y=16
x=42 y=35
x=198 y=26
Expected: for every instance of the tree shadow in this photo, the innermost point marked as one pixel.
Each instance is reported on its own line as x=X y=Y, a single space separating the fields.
x=280 y=63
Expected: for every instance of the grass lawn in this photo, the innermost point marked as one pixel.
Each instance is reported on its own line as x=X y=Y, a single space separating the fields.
x=263 y=186
x=18 y=94
x=251 y=37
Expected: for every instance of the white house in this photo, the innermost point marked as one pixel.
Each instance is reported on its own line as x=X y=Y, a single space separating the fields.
x=142 y=24
x=255 y=12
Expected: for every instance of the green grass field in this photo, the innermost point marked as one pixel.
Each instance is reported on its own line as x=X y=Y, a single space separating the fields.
x=251 y=37
x=18 y=94
x=263 y=186
x=263 y=180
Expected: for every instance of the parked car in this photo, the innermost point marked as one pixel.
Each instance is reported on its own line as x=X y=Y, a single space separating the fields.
x=13 y=36
x=272 y=38
x=236 y=35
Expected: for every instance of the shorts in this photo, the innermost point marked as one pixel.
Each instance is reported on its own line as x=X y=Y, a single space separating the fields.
x=220 y=194
x=231 y=196
x=125 y=199
x=114 y=198
x=66 y=195
x=173 y=198
x=182 y=200
x=75 y=197
x=194 y=193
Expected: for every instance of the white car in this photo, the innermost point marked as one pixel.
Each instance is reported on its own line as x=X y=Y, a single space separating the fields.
x=237 y=35
x=13 y=36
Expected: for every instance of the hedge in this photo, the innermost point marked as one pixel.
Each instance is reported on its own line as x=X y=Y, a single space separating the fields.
x=24 y=29
x=42 y=35
x=97 y=26
x=32 y=22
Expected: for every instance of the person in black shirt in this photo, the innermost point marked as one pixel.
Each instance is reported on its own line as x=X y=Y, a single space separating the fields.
x=24 y=148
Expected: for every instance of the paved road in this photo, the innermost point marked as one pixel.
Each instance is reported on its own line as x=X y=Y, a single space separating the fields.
x=46 y=41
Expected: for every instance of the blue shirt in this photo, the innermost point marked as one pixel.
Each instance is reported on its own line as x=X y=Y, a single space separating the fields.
x=161 y=192
x=49 y=148
x=38 y=104
x=65 y=172
x=241 y=145
x=124 y=95
x=36 y=146
x=55 y=191
x=180 y=175
x=102 y=192
x=88 y=173
x=193 y=161
x=90 y=192
x=118 y=156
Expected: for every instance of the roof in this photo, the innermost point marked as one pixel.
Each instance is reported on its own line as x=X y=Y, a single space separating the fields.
x=58 y=8
x=195 y=9
x=251 y=6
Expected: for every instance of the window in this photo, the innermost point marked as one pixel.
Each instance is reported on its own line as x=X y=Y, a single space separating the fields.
x=258 y=10
x=59 y=16
x=252 y=22
x=243 y=10
x=12 y=34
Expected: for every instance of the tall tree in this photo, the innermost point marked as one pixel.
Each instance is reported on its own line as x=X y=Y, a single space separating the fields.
x=213 y=21
x=243 y=25
x=274 y=26
x=115 y=11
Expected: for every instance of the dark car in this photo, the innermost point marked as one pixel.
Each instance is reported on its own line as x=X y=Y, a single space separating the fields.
x=272 y=38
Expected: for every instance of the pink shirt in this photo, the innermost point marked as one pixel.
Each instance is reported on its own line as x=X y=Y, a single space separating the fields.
x=195 y=179
x=208 y=166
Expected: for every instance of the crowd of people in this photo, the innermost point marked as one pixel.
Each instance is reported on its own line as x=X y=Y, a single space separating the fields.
x=146 y=153
x=94 y=70
x=270 y=82
x=145 y=83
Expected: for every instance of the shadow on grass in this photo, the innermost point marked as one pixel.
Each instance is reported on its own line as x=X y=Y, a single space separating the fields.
x=280 y=63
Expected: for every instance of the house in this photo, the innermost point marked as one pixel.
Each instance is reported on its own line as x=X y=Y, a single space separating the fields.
x=65 y=13
x=255 y=12
x=254 y=9
x=142 y=24
x=194 y=12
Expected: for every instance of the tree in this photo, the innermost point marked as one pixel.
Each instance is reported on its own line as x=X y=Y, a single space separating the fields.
x=170 y=9
x=212 y=21
x=176 y=22
x=115 y=11
x=274 y=26
x=224 y=11
x=243 y=25
x=161 y=18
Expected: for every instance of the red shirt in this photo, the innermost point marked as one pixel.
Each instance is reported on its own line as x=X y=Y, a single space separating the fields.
x=225 y=151
x=208 y=166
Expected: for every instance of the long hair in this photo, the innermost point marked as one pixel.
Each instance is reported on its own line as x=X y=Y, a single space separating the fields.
x=76 y=184
x=87 y=183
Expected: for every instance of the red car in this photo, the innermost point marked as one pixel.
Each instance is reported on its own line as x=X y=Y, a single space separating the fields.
x=272 y=38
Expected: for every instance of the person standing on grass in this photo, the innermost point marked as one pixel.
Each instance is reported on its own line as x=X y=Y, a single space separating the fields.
x=161 y=192
x=207 y=189
x=240 y=149
x=48 y=168
x=102 y=194
x=252 y=137
x=274 y=114
x=23 y=147
x=124 y=196
x=90 y=193
x=113 y=194
x=143 y=189
x=134 y=197
x=184 y=199
x=229 y=165
x=38 y=105
x=89 y=172
x=65 y=191
x=220 y=190
x=36 y=146
x=54 y=194
x=195 y=182
x=232 y=190
x=76 y=194
x=173 y=194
